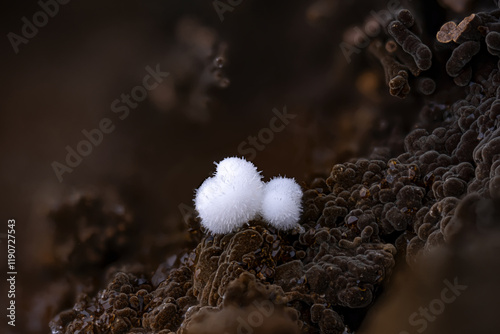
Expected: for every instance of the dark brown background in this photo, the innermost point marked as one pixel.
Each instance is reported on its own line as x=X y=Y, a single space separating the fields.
x=65 y=78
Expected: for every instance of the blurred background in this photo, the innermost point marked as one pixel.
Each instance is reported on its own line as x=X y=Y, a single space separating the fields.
x=225 y=78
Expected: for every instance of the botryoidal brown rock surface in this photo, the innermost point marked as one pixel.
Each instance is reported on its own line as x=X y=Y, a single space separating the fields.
x=354 y=221
x=359 y=221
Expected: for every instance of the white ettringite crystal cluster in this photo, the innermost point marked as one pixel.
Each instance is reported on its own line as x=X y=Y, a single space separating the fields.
x=282 y=203
x=231 y=197
x=236 y=194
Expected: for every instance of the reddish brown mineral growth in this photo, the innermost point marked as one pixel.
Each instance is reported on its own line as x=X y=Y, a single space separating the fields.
x=468 y=34
x=466 y=30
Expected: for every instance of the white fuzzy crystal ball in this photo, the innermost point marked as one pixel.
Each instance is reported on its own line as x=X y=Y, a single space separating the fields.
x=231 y=198
x=282 y=203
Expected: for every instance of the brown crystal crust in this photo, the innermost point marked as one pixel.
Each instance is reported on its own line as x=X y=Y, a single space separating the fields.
x=493 y=42
x=292 y=272
x=468 y=264
x=248 y=306
x=466 y=38
x=460 y=57
x=396 y=75
x=399 y=50
x=410 y=43
x=354 y=221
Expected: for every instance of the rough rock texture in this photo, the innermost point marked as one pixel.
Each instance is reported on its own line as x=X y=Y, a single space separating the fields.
x=301 y=272
x=92 y=231
x=451 y=290
x=353 y=222
x=248 y=306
